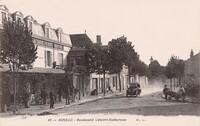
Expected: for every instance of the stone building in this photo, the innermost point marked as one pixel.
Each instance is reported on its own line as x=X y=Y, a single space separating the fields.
x=53 y=47
x=53 y=44
x=192 y=70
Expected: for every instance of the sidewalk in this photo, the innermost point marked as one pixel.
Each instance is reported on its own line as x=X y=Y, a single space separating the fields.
x=40 y=109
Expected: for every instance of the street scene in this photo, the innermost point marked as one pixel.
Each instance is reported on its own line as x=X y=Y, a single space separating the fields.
x=76 y=59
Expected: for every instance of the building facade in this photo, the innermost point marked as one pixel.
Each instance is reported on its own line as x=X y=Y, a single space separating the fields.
x=192 y=70
x=53 y=44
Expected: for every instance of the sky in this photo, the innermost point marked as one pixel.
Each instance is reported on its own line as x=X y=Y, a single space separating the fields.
x=158 y=28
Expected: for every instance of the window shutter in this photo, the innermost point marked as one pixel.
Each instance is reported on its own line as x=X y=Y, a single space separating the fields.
x=45 y=58
x=51 y=63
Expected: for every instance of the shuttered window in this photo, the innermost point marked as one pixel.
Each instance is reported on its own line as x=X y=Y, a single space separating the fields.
x=49 y=58
x=3 y=16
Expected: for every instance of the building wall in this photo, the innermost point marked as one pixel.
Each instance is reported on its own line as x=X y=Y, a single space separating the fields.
x=52 y=42
x=192 y=70
x=113 y=80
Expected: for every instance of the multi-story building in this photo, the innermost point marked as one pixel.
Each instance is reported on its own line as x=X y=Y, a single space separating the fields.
x=53 y=44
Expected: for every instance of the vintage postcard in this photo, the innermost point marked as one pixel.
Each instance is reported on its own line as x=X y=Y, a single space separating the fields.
x=99 y=62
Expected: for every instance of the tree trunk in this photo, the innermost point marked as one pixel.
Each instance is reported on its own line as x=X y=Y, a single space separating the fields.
x=116 y=82
x=171 y=84
x=174 y=83
x=129 y=78
x=179 y=81
x=104 y=90
x=120 y=87
x=83 y=86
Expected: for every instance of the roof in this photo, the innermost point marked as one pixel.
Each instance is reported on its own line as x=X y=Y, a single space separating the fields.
x=81 y=40
x=38 y=29
x=44 y=70
x=76 y=51
x=5 y=68
x=196 y=56
x=3 y=7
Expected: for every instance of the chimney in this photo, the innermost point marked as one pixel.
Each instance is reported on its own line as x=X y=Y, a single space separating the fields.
x=99 y=39
x=191 y=54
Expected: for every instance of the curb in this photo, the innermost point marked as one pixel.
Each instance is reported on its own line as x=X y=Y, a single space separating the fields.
x=78 y=103
x=48 y=111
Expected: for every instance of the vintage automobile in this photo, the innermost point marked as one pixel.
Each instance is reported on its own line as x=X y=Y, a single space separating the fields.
x=133 y=89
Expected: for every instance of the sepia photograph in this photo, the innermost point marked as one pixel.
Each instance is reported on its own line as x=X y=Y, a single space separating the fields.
x=99 y=62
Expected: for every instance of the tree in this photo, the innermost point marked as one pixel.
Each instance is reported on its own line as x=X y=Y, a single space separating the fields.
x=175 y=69
x=121 y=53
x=99 y=61
x=142 y=68
x=117 y=48
x=132 y=59
x=17 y=47
x=154 y=69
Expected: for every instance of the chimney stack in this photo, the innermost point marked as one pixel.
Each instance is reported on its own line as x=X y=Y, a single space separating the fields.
x=99 y=39
x=191 y=54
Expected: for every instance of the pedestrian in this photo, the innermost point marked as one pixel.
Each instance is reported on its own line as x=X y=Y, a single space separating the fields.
x=165 y=91
x=181 y=91
x=109 y=89
x=51 y=96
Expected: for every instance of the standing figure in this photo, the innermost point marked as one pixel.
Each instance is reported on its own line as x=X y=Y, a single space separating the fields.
x=109 y=89
x=181 y=92
x=165 y=91
x=51 y=96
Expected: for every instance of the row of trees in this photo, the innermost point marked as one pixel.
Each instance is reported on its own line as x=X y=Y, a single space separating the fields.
x=109 y=59
x=173 y=69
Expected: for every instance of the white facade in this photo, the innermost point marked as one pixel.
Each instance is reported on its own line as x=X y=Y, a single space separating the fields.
x=112 y=80
x=53 y=44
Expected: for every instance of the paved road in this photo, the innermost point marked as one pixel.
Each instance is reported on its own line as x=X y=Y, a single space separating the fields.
x=151 y=104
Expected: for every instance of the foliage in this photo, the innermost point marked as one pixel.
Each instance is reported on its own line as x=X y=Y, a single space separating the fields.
x=17 y=47
x=155 y=69
x=142 y=68
x=175 y=68
x=99 y=59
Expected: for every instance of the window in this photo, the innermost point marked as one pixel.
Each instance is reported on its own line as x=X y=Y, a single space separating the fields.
x=3 y=16
x=113 y=81
x=30 y=25
x=19 y=20
x=59 y=36
x=60 y=59
x=47 y=32
x=49 y=58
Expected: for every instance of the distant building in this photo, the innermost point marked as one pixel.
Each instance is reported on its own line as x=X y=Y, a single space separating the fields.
x=192 y=70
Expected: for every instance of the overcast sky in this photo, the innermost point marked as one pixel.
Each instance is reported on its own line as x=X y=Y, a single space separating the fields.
x=157 y=28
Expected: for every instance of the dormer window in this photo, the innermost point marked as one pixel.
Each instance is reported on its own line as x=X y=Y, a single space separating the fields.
x=19 y=20
x=30 y=25
x=3 y=17
x=29 y=21
x=46 y=27
x=59 y=36
x=47 y=32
